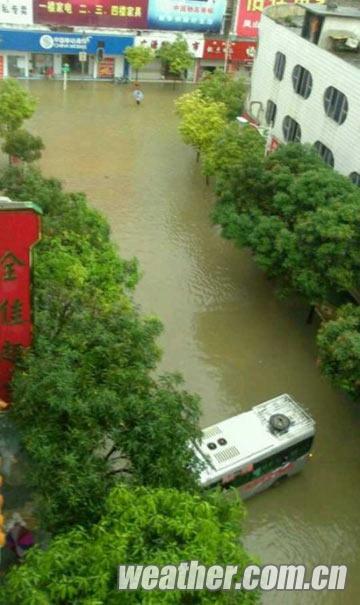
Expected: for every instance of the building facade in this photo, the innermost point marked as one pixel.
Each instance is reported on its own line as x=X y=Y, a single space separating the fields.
x=41 y=38
x=43 y=53
x=305 y=83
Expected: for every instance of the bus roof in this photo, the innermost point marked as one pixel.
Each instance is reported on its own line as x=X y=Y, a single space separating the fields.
x=248 y=437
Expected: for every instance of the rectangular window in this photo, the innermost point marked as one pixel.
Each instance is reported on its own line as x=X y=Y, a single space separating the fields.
x=336 y=104
x=270 y=114
x=279 y=65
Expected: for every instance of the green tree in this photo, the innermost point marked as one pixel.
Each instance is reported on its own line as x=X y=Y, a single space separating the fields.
x=202 y=121
x=87 y=408
x=339 y=350
x=299 y=218
x=234 y=146
x=175 y=57
x=16 y=105
x=223 y=88
x=139 y=526
x=138 y=57
x=23 y=145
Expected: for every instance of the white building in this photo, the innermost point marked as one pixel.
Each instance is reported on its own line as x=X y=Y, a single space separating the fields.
x=306 y=80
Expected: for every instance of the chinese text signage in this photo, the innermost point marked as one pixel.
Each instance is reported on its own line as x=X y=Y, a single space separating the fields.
x=108 y=13
x=106 y=68
x=20 y=230
x=242 y=51
x=249 y=14
x=195 y=15
x=16 y=12
x=182 y=15
x=56 y=42
x=155 y=40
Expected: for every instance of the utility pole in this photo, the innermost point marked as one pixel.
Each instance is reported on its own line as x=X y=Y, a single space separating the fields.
x=227 y=53
x=227 y=30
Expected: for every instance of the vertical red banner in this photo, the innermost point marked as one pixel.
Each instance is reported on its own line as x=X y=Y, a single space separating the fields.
x=106 y=68
x=19 y=231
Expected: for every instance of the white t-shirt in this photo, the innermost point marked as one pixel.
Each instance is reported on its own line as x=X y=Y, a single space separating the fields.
x=138 y=95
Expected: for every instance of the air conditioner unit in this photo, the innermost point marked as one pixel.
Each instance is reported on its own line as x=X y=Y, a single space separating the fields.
x=352 y=43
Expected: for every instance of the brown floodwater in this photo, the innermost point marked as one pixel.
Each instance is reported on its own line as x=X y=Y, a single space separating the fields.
x=235 y=343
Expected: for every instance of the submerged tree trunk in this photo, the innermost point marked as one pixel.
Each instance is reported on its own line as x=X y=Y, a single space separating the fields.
x=310 y=317
x=197 y=156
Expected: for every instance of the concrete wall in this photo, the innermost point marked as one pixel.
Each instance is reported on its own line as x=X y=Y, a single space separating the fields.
x=327 y=70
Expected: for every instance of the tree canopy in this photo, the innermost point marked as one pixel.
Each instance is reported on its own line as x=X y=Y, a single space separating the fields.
x=202 y=121
x=138 y=57
x=223 y=88
x=22 y=144
x=175 y=56
x=87 y=406
x=157 y=526
x=16 y=105
x=234 y=146
x=339 y=350
x=299 y=217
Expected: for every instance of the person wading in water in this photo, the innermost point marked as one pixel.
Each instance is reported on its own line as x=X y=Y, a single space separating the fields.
x=138 y=94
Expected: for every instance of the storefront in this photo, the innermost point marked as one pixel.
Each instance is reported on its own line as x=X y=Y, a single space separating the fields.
x=154 y=40
x=39 y=54
x=15 y=65
x=227 y=54
x=41 y=64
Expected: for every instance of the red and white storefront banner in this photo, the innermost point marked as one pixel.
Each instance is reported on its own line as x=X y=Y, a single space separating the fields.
x=239 y=52
x=249 y=12
x=154 y=40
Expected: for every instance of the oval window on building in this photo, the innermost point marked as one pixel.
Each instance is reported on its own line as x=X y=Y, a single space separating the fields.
x=355 y=178
x=325 y=153
x=279 y=65
x=336 y=105
x=302 y=81
x=270 y=114
x=291 y=130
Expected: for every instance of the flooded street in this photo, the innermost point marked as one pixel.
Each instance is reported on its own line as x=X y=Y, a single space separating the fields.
x=235 y=343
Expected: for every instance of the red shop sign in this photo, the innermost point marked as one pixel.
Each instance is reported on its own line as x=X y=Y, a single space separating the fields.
x=249 y=14
x=100 y=13
x=20 y=230
x=106 y=68
x=243 y=51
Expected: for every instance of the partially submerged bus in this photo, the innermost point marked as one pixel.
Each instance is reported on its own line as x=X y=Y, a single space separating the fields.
x=255 y=449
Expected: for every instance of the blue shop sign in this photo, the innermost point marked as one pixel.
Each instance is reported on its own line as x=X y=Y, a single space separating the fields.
x=62 y=43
